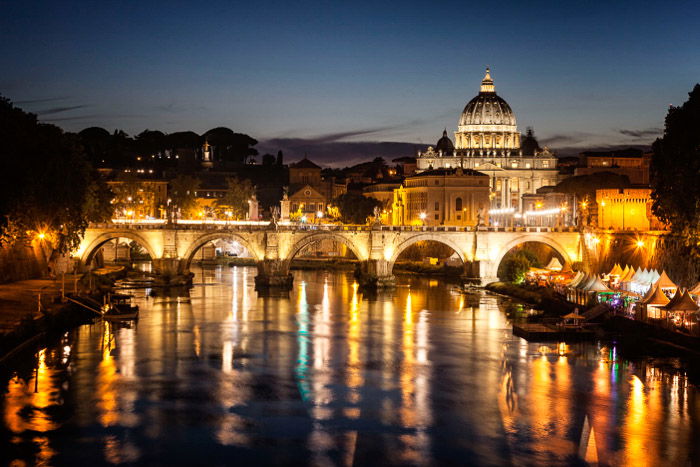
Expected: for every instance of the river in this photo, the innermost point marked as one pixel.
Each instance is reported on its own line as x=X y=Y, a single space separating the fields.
x=329 y=376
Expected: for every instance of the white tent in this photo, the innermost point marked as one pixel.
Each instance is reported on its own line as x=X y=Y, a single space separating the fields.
x=554 y=264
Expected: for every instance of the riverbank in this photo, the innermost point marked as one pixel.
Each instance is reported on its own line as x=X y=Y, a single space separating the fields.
x=551 y=303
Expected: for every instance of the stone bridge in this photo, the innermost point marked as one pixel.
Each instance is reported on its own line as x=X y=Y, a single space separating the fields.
x=173 y=246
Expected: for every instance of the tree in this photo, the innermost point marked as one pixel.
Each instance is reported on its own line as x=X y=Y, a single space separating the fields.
x=230 y=146
x=513 y=268
x=184 y=194
x=235 y=201
x=675 y=170
x=355 y=208
x=47 y=184
x=268 y=159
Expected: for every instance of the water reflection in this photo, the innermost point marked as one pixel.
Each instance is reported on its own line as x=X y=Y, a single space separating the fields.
x=330 y=376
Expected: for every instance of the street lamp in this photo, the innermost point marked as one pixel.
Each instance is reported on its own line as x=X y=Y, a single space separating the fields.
x=422 y=216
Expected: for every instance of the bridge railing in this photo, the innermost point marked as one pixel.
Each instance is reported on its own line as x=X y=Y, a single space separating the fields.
x=325 y=227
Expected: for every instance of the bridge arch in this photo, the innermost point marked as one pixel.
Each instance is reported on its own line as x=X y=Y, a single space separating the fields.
x=445 y=240
x=316 y=237
x=94 y=246
x=547 y=240
x=204 y=239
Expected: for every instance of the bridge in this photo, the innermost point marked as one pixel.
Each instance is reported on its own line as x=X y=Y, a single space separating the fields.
x=172 y=247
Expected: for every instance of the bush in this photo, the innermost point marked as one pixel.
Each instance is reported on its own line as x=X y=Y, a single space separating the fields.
x=513 y=268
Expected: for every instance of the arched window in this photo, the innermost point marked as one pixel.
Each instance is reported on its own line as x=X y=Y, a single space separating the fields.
x=458 y=204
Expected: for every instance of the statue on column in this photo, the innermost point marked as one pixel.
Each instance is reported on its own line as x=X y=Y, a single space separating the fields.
x=377 y=216
x=284 y=204
x=274 y=216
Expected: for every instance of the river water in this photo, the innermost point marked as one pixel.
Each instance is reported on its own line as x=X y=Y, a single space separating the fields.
x=329 y=376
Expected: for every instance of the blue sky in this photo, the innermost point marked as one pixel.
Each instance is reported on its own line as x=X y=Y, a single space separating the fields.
x=583 y=74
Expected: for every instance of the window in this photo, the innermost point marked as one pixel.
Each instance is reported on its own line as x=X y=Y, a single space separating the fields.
x=458 y=205
x=437 y=182
x=528 y=165
x=437 y=206
x=545 y=164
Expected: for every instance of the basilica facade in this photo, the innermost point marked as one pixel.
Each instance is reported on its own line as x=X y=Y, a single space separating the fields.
x=487 y=140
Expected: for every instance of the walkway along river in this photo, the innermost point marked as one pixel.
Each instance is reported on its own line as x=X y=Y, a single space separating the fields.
x=419 y=375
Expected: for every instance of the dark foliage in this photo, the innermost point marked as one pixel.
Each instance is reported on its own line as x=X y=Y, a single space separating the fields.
x=46 y=182
x=675 y=170
x=355 y=208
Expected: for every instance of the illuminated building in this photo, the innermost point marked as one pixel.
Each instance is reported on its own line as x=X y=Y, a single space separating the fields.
x=626 y=209
x=442 y=197
x=630 y=162
x=309 y=192
x=138 y=198
x=487 y=140
x=383 y=192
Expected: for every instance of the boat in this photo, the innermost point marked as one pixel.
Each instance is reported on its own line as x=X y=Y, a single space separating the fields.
x=119 y=307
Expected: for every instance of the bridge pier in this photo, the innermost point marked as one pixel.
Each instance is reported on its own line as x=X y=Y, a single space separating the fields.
x=375 y=274
x=172 y=271
x=273 y=273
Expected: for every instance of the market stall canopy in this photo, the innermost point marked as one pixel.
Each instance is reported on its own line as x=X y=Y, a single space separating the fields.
x=583 y=285
x=554 y=264
x=685 y=303
x=567 y=268
x=577 y=278
x=625 y=271
x=573 y=316
x=695 y=290
x=628 y=277
x=665 y=282
x=597 y=286
x=616 y=270
x=678 y=295
x=656 y=297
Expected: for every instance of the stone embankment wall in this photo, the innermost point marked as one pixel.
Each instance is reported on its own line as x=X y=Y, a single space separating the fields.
x=22 y=261
x=651 y=251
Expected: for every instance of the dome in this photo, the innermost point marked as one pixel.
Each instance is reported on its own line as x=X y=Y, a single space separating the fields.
x=487 y=108
x=529 y=144
x=444 y=144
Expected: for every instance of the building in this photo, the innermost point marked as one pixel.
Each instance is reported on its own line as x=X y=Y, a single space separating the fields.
x=309 y=192
x=139 y=198
x=626 y=209
x=487 y=140
x=545 y=208
x=446 y=196
x=384 y=192
x=633 y=163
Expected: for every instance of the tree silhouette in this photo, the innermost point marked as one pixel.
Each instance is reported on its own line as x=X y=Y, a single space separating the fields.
x=675 y=170
x=230 y=146
x=46 y=181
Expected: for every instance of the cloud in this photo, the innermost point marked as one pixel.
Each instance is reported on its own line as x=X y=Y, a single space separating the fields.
x=648 y=133
x=328 y=151
x=40 y=101
x=89 y=117
x=56 y=110
x=564 y=139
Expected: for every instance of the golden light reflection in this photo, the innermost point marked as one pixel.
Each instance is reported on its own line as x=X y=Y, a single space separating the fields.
x=354 y=373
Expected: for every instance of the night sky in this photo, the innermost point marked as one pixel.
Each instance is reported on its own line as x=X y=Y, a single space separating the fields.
x=316 y=76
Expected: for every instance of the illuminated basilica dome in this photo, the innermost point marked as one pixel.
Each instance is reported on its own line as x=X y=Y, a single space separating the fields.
x=487 y=125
